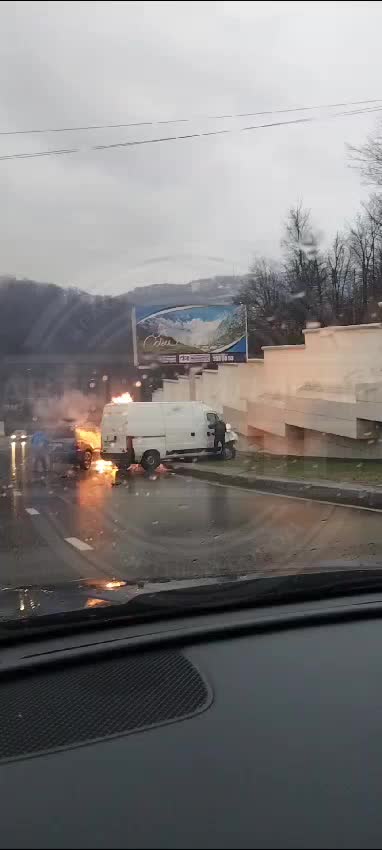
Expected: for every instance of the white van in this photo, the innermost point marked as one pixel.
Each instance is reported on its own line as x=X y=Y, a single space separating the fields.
x=149 y=432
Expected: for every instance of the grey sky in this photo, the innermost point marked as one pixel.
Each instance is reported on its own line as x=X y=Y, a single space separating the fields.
x=108 y=221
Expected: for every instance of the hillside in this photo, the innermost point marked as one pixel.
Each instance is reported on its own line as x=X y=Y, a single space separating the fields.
x=213 y=290
x=44 y=318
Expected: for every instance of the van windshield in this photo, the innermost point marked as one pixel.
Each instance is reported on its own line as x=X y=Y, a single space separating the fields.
x=212 y=418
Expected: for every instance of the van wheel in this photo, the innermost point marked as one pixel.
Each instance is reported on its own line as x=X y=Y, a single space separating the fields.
x=229 y=451
x=150 y=460
x=86 y=461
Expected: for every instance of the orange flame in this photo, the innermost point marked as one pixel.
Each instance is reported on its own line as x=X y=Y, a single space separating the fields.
x=125 y=398
x=104 y=466
x=95 y=602
x=111 y=585
x=93 y=436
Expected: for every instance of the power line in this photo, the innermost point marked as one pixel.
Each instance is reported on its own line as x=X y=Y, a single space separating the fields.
x=186 y=120
x=136 y=142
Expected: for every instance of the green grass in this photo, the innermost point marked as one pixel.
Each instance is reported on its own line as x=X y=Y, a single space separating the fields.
x=331 y=469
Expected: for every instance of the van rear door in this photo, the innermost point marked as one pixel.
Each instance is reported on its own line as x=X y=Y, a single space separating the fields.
x=114 y=432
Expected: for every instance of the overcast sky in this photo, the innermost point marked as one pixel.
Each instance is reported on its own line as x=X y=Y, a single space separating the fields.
x=109 y=220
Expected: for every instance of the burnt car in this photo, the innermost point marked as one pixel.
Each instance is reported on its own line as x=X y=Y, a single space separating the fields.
x=77 y=445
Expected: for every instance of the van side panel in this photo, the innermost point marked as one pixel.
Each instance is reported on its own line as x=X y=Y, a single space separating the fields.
x=200 y=427
x=147 y=421
x=181 y=434
x=145 y=444
x=145 y=425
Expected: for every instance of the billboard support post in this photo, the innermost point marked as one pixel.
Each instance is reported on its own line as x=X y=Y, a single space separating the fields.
x=246 y=331
x=134 y=335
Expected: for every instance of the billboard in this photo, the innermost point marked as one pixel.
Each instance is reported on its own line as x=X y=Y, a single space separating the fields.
x=195 y=334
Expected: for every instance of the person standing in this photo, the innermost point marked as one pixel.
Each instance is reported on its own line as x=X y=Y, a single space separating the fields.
x=219 y=438
x=40 y=452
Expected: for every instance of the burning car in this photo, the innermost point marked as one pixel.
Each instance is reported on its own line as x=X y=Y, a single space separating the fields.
x=74 y=444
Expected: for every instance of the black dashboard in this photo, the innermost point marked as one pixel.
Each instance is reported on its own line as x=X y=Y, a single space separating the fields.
x=239 y=729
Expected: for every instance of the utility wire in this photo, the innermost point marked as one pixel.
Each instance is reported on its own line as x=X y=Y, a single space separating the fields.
x=136 y=142
x=186 y=120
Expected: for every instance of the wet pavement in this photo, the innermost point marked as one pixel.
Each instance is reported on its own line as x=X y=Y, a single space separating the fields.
x=74 y=524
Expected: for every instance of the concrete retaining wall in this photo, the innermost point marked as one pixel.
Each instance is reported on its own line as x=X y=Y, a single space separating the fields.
x=323 y=397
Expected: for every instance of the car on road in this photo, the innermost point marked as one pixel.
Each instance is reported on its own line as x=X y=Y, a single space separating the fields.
x=20 y=435
x=75 y=445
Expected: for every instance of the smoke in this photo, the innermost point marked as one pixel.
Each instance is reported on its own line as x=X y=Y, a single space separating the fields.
x=73 y=405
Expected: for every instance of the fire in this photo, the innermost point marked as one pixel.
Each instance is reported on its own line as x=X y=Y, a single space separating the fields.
x=125 y=398
x=111 y=585
x=95 y=602
x=93 y=436
x=103 y=466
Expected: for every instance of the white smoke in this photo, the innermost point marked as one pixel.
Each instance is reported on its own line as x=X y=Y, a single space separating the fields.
x=73 y=405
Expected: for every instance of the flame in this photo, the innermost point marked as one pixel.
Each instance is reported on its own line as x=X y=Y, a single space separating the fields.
x=125 y=398
x=103 y=466
x=111 y=585
x=90 y=436
x=95 y=602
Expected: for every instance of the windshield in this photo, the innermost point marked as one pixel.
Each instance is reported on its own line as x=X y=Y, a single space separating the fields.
x=190 y=303
x=62 y=432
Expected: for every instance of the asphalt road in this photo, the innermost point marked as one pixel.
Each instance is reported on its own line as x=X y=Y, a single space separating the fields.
x=73 y=525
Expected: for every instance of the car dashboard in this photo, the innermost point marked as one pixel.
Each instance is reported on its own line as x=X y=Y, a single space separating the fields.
x=250 y=728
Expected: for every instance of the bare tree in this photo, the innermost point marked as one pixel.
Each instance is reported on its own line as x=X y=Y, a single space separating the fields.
x=339 y=277
x=364 y=244
x=373 y=213
x=305 y=266
x=265 y=294
x=297 y=241
x=265 y=287
x=368 y=157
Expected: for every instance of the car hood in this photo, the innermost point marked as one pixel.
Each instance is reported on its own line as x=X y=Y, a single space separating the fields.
x=26 y=602
x=108 y=598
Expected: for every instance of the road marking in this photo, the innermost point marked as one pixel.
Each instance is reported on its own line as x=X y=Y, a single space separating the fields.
x=255 y=491
x=32 y=511
x=78 y=544
x=17 y=493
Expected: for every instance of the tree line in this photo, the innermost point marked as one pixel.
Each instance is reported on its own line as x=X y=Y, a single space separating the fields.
x=311 y=286
x=41 y=318
x=315 y=285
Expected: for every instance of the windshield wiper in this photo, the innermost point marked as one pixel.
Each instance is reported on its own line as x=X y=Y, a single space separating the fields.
x=228 y=593
x=273 y=590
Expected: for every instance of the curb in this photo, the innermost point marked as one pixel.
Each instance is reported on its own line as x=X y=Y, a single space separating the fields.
x=336 y=493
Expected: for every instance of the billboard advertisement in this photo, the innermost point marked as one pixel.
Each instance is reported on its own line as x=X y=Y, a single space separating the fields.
x=191 y=335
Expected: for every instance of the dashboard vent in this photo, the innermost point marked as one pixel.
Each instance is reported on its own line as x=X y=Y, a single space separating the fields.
x=73 y=705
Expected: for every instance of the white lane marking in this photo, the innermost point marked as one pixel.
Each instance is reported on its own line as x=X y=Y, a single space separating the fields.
x=17 y=493
x=32 y=511
x=78 y=544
